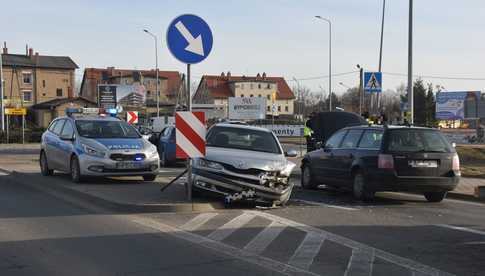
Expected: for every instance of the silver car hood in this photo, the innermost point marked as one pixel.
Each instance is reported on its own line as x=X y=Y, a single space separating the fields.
x=245 y=159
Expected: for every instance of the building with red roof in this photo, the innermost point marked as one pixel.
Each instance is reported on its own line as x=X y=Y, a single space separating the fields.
x=216 y=89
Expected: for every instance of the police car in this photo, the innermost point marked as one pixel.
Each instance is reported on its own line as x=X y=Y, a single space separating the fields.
x=95 y=145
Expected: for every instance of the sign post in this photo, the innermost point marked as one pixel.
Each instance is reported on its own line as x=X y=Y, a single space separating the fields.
x=189 y=39
x=190 y=140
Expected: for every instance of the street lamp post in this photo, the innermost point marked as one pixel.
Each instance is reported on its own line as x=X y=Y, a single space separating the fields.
x=156 y=70
x=410 y=64
x=298 y=97
x=329 y=58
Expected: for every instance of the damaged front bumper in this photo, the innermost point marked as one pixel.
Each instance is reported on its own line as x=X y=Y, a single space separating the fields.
x=266 y=187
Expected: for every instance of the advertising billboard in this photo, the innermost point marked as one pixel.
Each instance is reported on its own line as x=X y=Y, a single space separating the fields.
x=457 y=105
x=241 y=108
x=113 y=95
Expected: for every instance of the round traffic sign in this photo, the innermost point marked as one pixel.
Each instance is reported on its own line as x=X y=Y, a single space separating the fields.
x=189 y=38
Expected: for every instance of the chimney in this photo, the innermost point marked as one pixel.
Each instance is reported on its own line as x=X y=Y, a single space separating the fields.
x=222 y=74
x=228 y=74
x=5 y=49
x=264 y=75
x=110 y=71
x=31 y=52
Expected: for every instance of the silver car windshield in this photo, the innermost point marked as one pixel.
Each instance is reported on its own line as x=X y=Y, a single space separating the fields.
x=243 y=139
x=106 y=129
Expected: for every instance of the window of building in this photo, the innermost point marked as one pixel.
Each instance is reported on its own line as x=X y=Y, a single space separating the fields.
x=242 y=95
x=149 y=93
x=43 y=94
x=251 y=86
x=259 y=86
x=59 y=92
x=251 y=95
x=269 y=86
x=43 y=83
x=259 y=95
x=27 y=78
x=268 y=97
x=286 y=108
x=242 y=85
x=268 y=108
x=279 y=108
x=27 y=95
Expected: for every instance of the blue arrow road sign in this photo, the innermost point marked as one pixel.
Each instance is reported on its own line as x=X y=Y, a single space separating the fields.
x=373 y=82
x=189 y=38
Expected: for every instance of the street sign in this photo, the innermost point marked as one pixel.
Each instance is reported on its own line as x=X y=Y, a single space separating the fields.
x=132 y=117
x=189 y=38
x=373 y=82
x=247 y=108
x=16 y=111
x=190 y=134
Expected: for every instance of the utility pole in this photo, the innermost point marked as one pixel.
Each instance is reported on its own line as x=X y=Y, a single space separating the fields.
x=380 y=50
x=2 y=109
x=410 y=64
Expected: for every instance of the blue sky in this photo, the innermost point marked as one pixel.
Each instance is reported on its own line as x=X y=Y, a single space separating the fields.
x=279 y=37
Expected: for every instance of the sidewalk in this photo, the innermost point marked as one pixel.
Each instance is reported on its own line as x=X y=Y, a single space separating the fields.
x=466 y=188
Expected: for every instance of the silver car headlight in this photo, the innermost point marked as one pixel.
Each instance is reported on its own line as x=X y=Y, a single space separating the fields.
x=203 y=163
x=288 y=169
x=152 y=153
x=93 y=152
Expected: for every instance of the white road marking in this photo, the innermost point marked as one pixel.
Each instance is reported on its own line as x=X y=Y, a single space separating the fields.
x=264 y=238
x=225 y=230
x=308 y=249
x=365 y=249
x=3 y=173
x=474 y=243
x=316 y=203
x=460 y=228
x=360 y=263
x=220 y=247
x=198 y=221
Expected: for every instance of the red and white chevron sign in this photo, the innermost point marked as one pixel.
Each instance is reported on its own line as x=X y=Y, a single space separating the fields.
x=190 y=134
x=132 y=117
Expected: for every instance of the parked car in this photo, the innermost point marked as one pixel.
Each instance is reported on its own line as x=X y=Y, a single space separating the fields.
x=243 y=163
x=96 y=146
x=166 y=146
x=368 y=159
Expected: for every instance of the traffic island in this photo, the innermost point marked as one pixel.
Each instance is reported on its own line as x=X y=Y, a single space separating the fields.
x=127 y=194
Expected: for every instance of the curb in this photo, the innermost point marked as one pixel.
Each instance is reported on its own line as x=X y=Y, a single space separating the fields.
x=17 y=178
x=465 y=197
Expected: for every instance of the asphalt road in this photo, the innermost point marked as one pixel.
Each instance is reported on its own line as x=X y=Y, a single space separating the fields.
x=321 y=232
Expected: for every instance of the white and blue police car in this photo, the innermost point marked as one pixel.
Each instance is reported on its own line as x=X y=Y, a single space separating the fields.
x=95 y=145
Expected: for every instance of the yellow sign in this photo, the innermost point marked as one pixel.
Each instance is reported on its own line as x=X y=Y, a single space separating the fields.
x=16 y=111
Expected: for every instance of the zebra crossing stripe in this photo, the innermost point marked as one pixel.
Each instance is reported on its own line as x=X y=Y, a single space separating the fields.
x=360 y=262
x=259 y=243
x=198 y=221
x=308 y=249
x=225 y=230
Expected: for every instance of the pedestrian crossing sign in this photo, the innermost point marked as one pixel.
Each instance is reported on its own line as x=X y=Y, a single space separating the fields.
x=373 y=82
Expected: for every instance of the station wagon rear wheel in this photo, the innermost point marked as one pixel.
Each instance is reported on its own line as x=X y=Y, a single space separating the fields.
x=359 y=190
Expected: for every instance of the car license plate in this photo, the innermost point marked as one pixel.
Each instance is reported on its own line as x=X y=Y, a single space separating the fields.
x=423 y=164
x=128 y=165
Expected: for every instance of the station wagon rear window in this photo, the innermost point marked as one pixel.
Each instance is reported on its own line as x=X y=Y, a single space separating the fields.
x=417 y=140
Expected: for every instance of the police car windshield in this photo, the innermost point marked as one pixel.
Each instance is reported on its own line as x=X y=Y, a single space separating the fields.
x=106 y=129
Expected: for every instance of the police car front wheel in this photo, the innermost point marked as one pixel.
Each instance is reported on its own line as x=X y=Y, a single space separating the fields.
x=150 y=177
x=75 y=170
x=44 y=166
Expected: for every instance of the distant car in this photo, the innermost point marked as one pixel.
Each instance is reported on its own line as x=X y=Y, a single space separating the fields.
x=96 y=146
x=243 y=163
x=368 y=159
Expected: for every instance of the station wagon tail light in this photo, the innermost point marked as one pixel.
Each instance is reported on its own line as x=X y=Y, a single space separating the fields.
x=385 y=161
x=456 y=162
